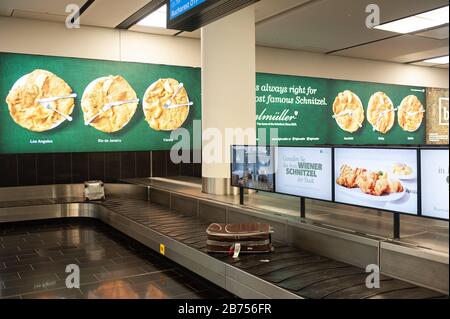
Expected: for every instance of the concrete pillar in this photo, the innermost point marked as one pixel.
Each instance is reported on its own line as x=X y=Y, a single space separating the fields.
x=228 y=94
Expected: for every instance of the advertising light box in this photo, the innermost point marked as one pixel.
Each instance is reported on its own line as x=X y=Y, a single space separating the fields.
x=253 y=167
x=304 y=171
x=434 y=183
x=318 y=111
x=56 y=104
x=384 y=179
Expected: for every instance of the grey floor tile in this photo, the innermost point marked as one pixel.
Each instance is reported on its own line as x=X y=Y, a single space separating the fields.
x=33 y=259
x=62 y=293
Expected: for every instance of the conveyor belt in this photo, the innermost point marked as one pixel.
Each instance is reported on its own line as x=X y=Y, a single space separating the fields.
x=300 y=272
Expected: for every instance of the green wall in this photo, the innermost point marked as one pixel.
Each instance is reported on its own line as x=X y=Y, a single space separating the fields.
x=78 y=73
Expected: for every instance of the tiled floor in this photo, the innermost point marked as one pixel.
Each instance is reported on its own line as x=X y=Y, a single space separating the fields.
x=34 y=256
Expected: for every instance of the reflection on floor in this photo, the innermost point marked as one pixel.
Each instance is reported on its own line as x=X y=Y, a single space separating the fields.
x=34 y=256
x=423 y=232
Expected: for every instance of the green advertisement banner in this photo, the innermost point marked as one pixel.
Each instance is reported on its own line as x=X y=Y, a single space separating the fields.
x=312 y=111
x=136 y=134
x=305 y=110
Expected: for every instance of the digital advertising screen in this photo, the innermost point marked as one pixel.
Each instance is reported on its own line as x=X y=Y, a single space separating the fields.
x=253 y=167
x=434 y=183
x=309 y=111
x=384 y=179
x=305 y=171
x=52 y=104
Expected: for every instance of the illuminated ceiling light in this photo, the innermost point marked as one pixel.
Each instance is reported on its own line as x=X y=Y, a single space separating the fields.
x=422 y=21
x=440 y=60
x=156 y=19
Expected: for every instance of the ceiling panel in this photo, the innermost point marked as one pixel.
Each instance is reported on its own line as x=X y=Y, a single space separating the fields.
x=110 y=13
x=333 y=24
x=54 y=7
x=402 y=49
x=24 y=14
x=438 y=33
x=268 y=8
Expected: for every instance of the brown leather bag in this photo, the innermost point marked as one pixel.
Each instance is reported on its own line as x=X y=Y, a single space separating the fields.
x=239 y=238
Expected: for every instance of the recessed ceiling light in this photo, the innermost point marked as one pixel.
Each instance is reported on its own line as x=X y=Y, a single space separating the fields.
x=440 y=60
x=156 y=19
x=439 y=15
x=422 y=21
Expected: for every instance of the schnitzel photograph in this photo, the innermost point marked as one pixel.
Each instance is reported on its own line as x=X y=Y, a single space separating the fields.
x=384 y=179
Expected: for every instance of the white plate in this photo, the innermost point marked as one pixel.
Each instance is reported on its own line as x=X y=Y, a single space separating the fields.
x=359 y=194
x=411 y=176
x=399 y=110
x=368 y=108
x=21 y=81
x=340 y=125
x=88 y=88
x=144 y=103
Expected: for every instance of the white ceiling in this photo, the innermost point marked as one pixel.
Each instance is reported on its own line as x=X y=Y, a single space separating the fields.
x=327 y=26
x=53 y=7
x=338 y=27
x=269 y=8
x=403 y=49
x=107 y=13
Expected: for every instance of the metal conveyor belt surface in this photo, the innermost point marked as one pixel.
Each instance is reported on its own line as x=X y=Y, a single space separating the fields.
x=300 y=272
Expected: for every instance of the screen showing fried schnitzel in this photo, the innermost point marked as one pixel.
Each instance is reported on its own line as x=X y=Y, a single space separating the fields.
x=384 y=179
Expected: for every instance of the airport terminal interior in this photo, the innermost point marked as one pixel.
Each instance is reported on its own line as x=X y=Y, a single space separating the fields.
x=224 y=149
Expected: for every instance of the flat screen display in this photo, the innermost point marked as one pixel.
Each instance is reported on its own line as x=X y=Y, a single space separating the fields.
x=305 y=171
x=384 y=179
x=434 y=183
x=253 y=167
x=127 y=120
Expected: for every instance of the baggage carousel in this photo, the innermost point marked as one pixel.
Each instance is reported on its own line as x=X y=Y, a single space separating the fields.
x=288 y=272
x=303 y=274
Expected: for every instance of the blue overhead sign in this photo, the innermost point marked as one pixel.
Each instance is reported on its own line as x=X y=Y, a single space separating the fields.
x=180 y=7
x=190 y=15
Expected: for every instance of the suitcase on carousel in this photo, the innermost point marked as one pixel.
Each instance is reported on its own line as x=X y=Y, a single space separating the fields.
x=239 y=238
